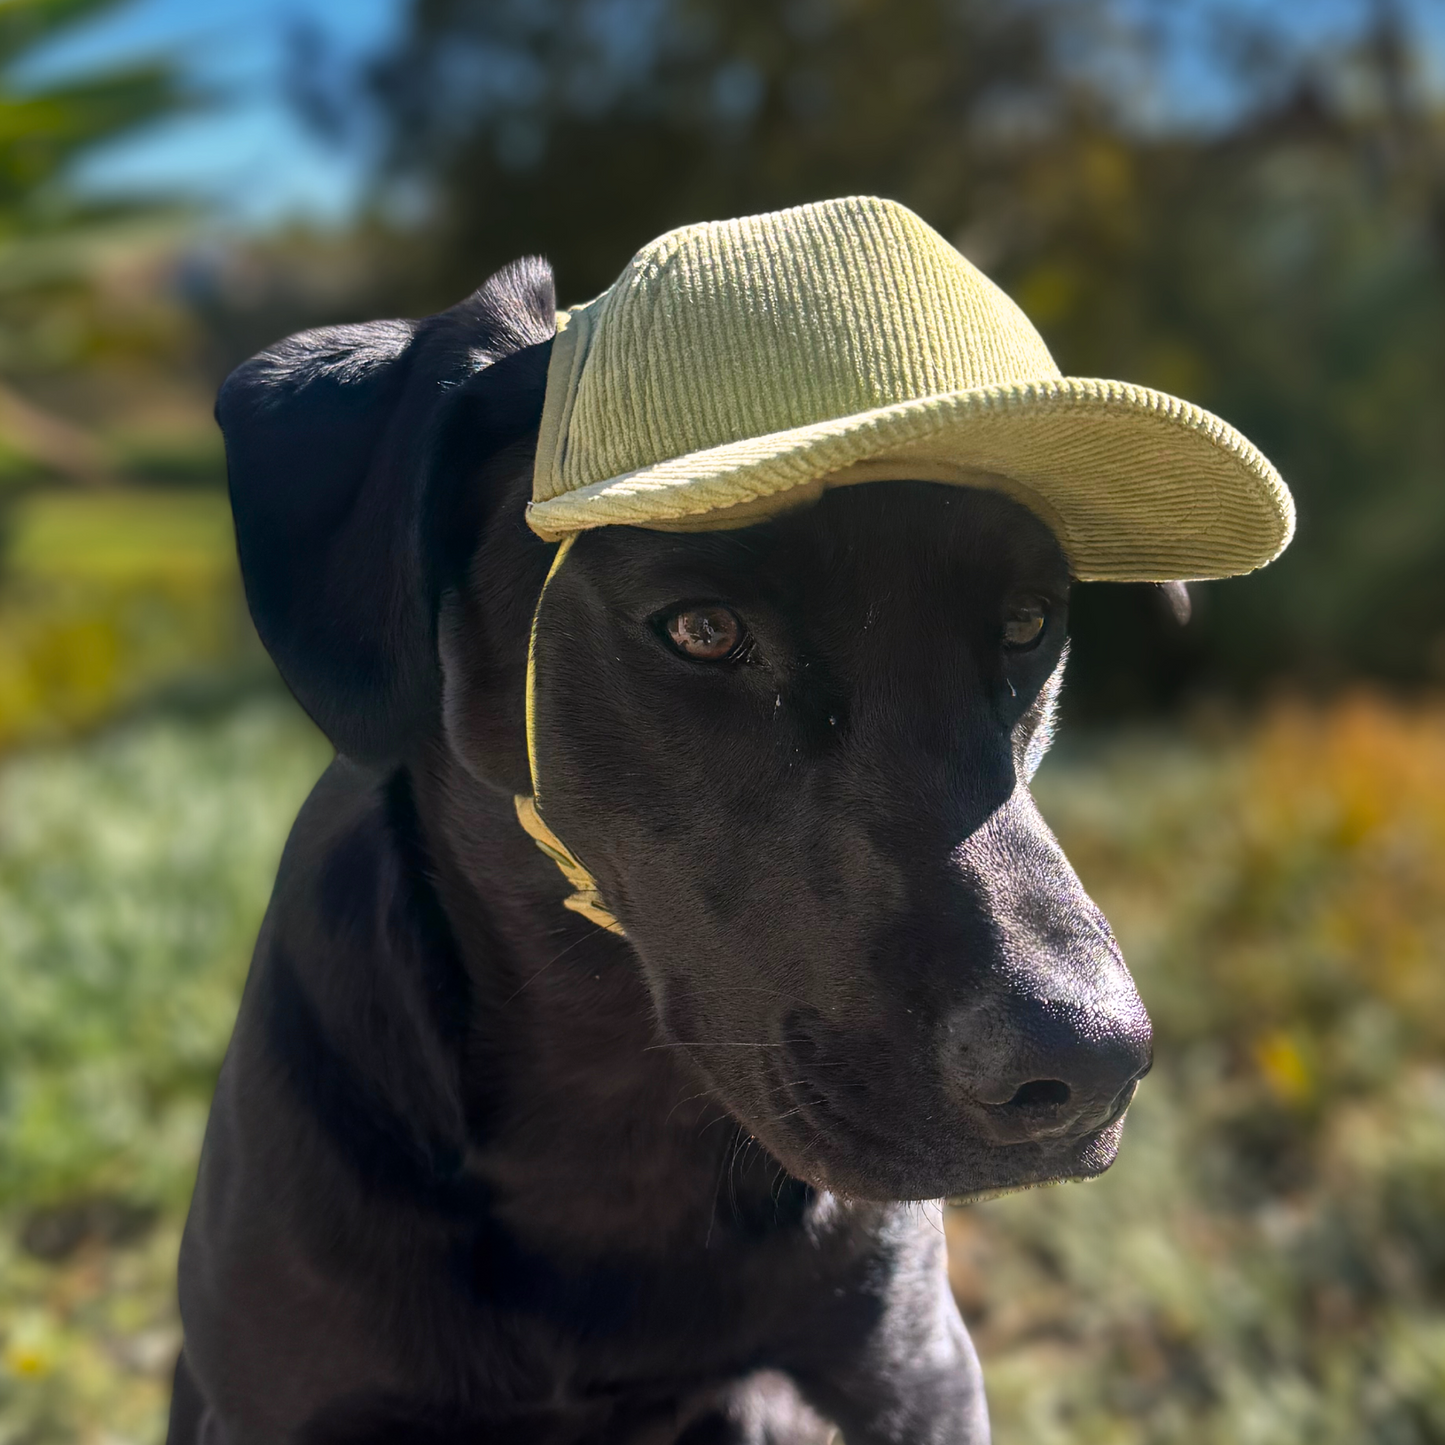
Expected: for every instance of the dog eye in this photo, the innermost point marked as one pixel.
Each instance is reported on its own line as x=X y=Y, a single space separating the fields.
x=1023 y=623
x=707 y=633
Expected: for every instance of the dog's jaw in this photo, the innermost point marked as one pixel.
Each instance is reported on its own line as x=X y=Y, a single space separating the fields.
x=954 y=1160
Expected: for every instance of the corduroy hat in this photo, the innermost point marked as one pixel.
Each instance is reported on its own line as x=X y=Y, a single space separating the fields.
x=738 y=368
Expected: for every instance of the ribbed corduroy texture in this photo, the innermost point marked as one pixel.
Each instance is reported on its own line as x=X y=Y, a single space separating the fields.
x=739 y=367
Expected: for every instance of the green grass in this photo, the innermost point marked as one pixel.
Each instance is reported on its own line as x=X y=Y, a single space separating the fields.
x=133 y=873
x=1264 y=1266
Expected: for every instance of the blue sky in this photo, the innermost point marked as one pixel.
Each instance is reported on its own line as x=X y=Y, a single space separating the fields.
x=1188 y=85
x=254 y=163
x=248 y=155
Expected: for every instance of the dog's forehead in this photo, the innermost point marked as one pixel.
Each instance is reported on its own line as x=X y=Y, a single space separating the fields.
x=925 y=530
x=900 y=538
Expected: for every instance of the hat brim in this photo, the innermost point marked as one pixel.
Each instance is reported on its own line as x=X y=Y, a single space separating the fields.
x=1137 y=485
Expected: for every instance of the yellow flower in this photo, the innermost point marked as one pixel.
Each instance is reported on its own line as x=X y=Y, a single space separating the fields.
x=29 y=1356
x=1283 y=1067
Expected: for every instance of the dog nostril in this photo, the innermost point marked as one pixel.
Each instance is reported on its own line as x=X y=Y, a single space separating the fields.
x=1041 y=1093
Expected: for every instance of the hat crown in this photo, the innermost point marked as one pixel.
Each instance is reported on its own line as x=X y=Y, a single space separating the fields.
x=744 y=328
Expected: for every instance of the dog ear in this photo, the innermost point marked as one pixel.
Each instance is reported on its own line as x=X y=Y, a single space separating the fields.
x=349 y=451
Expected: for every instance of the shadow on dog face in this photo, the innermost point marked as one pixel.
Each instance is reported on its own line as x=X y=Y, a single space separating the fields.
x=796 y=758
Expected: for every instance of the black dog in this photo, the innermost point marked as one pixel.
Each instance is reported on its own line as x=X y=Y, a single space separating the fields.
x=478 y=1170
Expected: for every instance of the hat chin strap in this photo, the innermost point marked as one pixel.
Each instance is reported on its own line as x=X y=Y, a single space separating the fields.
x=586 y=897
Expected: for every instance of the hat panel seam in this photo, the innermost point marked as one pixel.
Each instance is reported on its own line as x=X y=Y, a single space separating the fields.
x=925 y=276
x=973 y=355
x=895 y=292
x=756 y=335
x=570 y=345
x=898 y=270
x=616 y=407
x=670 y=329
x=714 y=409
x=831 y=359
x=650 y=318
x=837 y=281
x=870 y=348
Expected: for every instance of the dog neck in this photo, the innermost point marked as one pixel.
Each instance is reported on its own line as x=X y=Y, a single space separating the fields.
x=597 y=1129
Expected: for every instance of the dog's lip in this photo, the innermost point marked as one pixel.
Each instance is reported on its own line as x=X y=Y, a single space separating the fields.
x=1101 y=1149
x=987 y=1172
x=852 y=1154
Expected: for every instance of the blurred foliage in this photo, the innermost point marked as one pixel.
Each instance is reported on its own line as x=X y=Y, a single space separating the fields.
x=585 y=127
x=44 y=127
x=75 y=288
x=106 y=597
x=103 y=596
x=133 y=874
x=1282 y=264
x=1263 y=1266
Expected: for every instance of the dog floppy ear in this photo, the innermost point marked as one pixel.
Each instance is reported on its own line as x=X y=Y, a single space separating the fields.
x=349 y=451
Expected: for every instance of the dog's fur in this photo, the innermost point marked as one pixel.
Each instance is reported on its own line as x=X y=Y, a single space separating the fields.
x=478 y=1170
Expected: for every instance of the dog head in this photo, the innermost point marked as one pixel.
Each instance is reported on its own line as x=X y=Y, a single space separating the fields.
x=795 y=756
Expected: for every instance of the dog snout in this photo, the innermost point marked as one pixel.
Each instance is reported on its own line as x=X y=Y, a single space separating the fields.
x=1052 y=1037
x=1041 y=1068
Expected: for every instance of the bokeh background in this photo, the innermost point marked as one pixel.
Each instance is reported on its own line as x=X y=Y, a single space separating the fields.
x=1242 y=201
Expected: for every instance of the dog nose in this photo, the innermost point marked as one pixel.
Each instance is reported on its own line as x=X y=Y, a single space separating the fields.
x=1042 y=1068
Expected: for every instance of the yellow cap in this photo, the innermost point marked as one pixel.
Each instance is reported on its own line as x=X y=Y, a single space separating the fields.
x=738 y=368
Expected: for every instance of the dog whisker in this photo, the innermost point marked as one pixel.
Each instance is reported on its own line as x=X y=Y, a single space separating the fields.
x=746 y=1141
x=721 y=1174
x=691 y=1098
x=721 y=1118
x=796 y=1109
